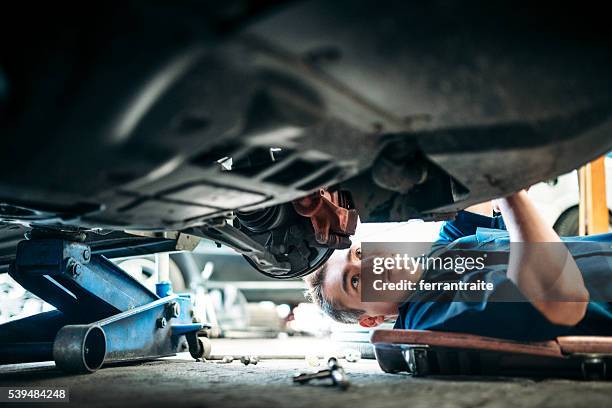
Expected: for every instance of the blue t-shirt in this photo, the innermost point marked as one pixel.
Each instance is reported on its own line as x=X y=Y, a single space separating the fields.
x=519 y=320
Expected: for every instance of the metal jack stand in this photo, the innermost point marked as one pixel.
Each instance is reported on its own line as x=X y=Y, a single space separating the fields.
x=103 y=314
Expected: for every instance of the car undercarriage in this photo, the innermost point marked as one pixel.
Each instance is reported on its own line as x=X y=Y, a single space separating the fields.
x=269 y=126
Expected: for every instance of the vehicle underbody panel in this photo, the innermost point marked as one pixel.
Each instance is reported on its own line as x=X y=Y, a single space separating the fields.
x=172 y=117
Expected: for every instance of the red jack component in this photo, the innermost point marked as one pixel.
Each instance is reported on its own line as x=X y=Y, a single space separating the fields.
x=332 y=219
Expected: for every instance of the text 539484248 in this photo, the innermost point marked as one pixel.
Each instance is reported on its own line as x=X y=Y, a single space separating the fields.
x=31 y=394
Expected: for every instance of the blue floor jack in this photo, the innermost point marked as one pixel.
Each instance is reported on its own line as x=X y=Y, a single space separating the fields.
x=103 y=314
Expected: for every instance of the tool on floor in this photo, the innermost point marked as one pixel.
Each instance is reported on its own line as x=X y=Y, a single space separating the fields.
x=352 y=355
x=103 y=314
x=226 y=360
x=335 y=372
x=246 y=360
x=312 y=360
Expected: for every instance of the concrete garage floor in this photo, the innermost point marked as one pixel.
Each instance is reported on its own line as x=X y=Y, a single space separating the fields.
x=181 y=382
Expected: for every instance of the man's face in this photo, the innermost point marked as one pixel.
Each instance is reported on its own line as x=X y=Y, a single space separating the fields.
x=342 y=285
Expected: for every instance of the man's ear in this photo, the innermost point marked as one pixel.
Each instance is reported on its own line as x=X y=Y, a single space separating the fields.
x=371 y=321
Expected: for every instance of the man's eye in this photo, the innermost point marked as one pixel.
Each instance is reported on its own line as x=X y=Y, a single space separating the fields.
x=355 y=281
x=358 y=253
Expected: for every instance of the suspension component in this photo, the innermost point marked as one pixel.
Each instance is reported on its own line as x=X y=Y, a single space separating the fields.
x=332 y=216
x=289 y=240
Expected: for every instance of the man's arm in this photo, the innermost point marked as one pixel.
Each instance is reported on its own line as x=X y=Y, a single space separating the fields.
x=545 y=273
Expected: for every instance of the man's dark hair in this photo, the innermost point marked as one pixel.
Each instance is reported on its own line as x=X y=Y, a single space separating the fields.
x=332 y=309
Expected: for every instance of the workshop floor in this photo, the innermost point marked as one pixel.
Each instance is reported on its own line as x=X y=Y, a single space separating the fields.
x=181 y=382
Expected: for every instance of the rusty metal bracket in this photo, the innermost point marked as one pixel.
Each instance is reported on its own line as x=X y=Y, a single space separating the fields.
x=332 y=218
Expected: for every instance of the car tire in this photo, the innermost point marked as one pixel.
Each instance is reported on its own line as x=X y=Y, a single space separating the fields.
x=567 y=224
x=191 y=273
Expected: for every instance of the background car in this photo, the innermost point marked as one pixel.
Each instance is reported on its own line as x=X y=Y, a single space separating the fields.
x=557 y=199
